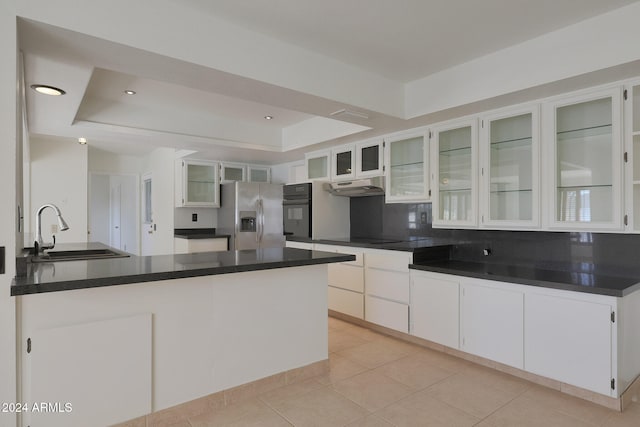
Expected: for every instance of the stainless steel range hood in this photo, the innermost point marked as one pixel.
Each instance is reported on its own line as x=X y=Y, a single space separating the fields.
x=357 y=188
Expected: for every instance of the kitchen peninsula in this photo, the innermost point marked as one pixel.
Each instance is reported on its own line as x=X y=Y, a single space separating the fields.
x=121 y=338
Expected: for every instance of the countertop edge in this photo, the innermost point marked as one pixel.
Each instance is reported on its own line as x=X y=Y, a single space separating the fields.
x=31 y=289
x=530 y=282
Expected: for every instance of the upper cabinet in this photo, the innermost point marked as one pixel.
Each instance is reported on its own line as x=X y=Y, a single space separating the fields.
x=509 y=184
x=361 y=160
x=584 y=147
x=454 y=174
x=369 y=158
x=632 y=156
x=197 y=183
x=343 y=160
x=257 y=173
x=318 y=163
x=230 y=172
x=406 y=167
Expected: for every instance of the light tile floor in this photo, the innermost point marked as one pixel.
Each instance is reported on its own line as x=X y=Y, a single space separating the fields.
x=375 y=380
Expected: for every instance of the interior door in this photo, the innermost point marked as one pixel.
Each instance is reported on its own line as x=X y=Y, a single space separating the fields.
x=115 y=214
x=147 y=217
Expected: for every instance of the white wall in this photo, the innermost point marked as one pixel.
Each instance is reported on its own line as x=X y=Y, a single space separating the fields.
x=207 y=218
x=289 y=173
x=594 y=44
x=8 y=216
x=99 y=208
x=111 y=163
x=59 y=176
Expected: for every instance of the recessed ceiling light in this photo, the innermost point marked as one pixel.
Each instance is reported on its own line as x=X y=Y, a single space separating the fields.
x=82 y=141
x=48 y=90
x=130 y=92
x=268 y=117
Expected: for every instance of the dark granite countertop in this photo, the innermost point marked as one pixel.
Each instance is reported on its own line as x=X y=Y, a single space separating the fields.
x=409 y=245
x=580 y=281
x=198 y=233
x=69 y=275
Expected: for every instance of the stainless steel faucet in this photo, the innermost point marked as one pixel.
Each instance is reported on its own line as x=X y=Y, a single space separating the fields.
x=39 y=244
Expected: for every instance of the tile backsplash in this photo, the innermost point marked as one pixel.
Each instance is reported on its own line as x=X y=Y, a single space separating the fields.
x=615 y=254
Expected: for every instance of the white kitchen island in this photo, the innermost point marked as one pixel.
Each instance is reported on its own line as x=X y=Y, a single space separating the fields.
x=103 y=355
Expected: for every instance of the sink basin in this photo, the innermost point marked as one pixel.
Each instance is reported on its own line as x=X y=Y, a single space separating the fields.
x=85 y=254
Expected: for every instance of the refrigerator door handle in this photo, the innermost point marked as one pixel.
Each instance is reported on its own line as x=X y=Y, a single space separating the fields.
x=261 y=218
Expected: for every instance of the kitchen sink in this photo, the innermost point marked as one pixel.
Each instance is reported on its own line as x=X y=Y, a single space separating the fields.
x=78 y=255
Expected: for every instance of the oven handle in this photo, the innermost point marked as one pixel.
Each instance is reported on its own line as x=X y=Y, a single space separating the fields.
x=296 y=202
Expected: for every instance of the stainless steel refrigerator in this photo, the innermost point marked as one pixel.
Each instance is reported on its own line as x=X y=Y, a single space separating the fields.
x=251 y=213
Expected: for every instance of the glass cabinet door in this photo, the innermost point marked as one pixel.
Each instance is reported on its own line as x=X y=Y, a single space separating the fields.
x=232 y=172
x=343 y=162
x=455 y=175
x=588 y=163
x=510 y=169
x=317 y=165
x=259 y=174
x=406 y=178
x=200 y=184
x=369 y=159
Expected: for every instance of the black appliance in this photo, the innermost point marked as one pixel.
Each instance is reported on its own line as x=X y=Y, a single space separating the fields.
x=296 y=209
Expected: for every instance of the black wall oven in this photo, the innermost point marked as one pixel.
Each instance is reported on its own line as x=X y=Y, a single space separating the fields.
x=296 y=208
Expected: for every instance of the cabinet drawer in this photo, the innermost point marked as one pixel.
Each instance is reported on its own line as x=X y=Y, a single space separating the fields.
x=347 y=302
x=343 y=250
x=299 y=245
x=385 y=313
x=387 y=284
x=389 y=260
x=346 y=276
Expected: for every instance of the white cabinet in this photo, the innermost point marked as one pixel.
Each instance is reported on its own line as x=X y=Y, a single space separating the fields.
x=65 y=363
x=585 y=151
x=197 y=183
x=509 y=187
x=435 y=308
x=632 y=156
x=189 y=246
x=369 y=158
x=299 y=245
x=406 y=167
x=318 y=165
x=454 y=174
x=346 y=281
x=343 y=160
x=491 y=321
x=230 y=172
x=257 y=173
x=570 y=340
x=387 y=288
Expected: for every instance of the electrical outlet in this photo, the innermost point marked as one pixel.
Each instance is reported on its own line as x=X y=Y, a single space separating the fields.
x=194 y=217
x=486 y=251
x=54 y=228
x=423 y=218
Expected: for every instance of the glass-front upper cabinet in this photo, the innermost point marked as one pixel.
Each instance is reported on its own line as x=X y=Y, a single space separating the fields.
x=343 y=160
x=586 y=181
x=258 y=173
x=369 y=159
x=454 y=174
x=230 y=172
x=318 y=165
x=509 y=196
x=406 y=168
x=632 y=131
x=198 y=183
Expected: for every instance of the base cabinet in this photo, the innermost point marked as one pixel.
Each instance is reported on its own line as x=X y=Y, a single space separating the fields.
x=189 y=246
x=435 y=309
x=491 y=323
x=569 y=340
x=347 y=302
x=390 y=314
x=386 y=275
